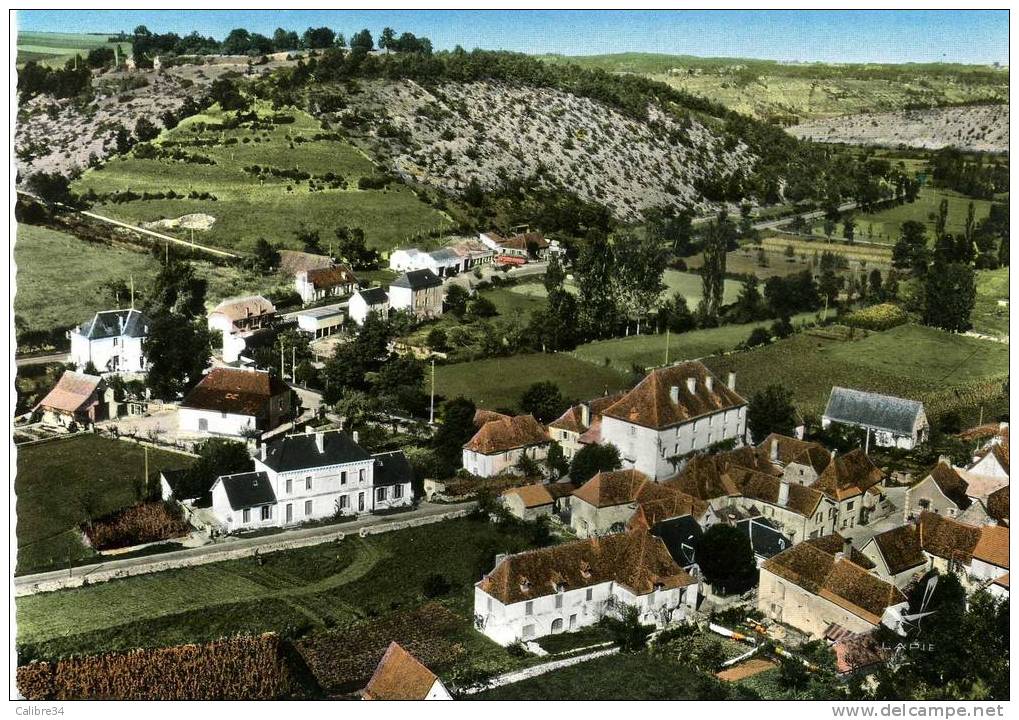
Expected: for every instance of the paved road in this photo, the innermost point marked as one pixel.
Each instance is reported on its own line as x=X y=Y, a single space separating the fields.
x=225 y=549
x=43 y=359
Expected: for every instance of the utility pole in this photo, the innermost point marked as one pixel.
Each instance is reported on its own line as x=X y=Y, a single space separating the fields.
x=293 y=363
x=666 y=347
x=132 y=292
x=283 y=367
x=431 y=410
x=145 y=482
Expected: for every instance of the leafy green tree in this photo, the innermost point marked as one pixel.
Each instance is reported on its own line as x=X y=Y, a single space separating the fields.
x=225 y=92
x=215 y=457
x=848 y=228
x=556 y=460
x=726 y=559
x=640 y=265
x=544 y=401
x=352 y=249
x=713 y=270
x=456 y=429
x=362 y=41
x=627 y=631
x=676 y=314
x=910 y=250
x=285 y=40
x=749 y=304
x=949 y=296
x=771 y=410
x=593 y=459
x=318 y=38
x=456 y=300
x=310 y=238
x=386 y=38
x=145 y=130
x=596 y=278
x=267 y=257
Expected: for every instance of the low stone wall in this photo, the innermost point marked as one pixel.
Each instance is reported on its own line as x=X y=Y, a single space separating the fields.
x=89 y=575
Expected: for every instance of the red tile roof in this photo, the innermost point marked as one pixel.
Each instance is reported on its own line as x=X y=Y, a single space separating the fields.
x=331 y=277
x=848 y=475
x=399 y=676
x=73 y=392
x=947 y=538
x=531 y=495
x=507 y=433
x=239 y=392
x=992 y=547
x=794 y=450
x=650 y=403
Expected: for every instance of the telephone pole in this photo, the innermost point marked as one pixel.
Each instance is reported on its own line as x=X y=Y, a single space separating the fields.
x=666 y=347
x=132 y=292
x=431 y=409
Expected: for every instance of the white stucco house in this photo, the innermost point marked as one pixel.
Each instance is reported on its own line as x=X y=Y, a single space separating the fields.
x=892 y=421
x=418 y=292
x=311 y=476
x=671 y=413
x=238 y=319
x=500 y=443
x=368 y=300
x=113 y=341
x=566 y=587
x=235 y=402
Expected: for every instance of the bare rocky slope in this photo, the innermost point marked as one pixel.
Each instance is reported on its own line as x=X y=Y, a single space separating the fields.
x=489 y=132
x=977 y=127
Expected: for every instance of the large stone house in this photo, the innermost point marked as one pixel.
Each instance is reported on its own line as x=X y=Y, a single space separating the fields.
x=672 y=413
x=401 y=676
x=320 y=283
x=79 y=399
x=238 y=319
x=366 y=301
x=580 y=425
x=235 y=402
x=418 y=292
x=608 y=502
x=567 y=587
x=500 y=443
x=113 y=341
x=311 y=476
x=856 y=485
x=812 y=588
x=892 y=421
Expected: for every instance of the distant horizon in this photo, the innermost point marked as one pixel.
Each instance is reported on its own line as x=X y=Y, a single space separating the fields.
x=968 y=37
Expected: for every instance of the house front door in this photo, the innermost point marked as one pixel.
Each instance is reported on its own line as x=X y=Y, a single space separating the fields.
x=203 y=425
x=290 y=513
x=360 y=502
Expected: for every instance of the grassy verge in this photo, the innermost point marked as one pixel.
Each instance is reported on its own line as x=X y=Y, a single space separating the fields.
x=988 y=317
x=58 y=480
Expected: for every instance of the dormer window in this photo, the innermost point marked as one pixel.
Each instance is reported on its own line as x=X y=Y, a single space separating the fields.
x=585 y=569
x=525 y=585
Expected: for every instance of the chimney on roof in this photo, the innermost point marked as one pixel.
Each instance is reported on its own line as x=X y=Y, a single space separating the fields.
x=320 y=442
x=262 y=451
x=783 y=493
x=944 y=460
x=847 y=550
x=732 y=380
x=691 y=385
x=709 y=382
x=774 y=450
x=356 y=437
x=585 y=415
x=674 y=394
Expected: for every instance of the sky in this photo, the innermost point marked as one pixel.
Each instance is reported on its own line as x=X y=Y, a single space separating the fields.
x=893 y=36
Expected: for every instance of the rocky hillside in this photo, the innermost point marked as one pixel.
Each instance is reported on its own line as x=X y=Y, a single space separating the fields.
x=979 y=127
x=487 y=132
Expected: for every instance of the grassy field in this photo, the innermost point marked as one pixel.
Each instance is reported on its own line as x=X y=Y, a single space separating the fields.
x=687 y=283
x=54 y=49
x=883 y=225
x=56 y=479
x=775 y=244
x=247 y=206
x=499 y=382
x=312 y=588
x=649 y=350
x=48 y=296
x=988 y=317
x=911 y=361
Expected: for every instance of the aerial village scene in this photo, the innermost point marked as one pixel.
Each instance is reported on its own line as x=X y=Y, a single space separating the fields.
x=510 y=355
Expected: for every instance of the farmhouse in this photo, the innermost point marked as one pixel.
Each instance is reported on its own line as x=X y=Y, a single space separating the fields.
x=580 y=425
x=607 y=502
x=801 y=461
x=500 y=443
x=401 y=676
x=77 y=398
x=235 y=402
x=113 y=341
x=894 y=422
x=368 y=300
x=531 y=502
x=319 y=283
x=311 y=476
x=810 y=589
x=418 y=292
x=566 y=587
x=855 y=484
x=671 y=413
x=238 y=319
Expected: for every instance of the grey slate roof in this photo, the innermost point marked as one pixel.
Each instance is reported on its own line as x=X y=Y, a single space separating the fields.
x=765 y=539
x=245 y=490
x=374 y=296
x=417 y=280
x=299 y=452
x=681 y=536
x=392 y=468
x=115 y=323
x=883 y=412
x=444 y=255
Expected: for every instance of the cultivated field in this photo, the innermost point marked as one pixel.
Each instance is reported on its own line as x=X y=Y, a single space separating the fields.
x=314 y=588
x=60 y=483
x=499 y=382
x=248 y=204
x=989 y=317
x=983 y=128
x=55 y=49
x=945 y=371
x=686 y=283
